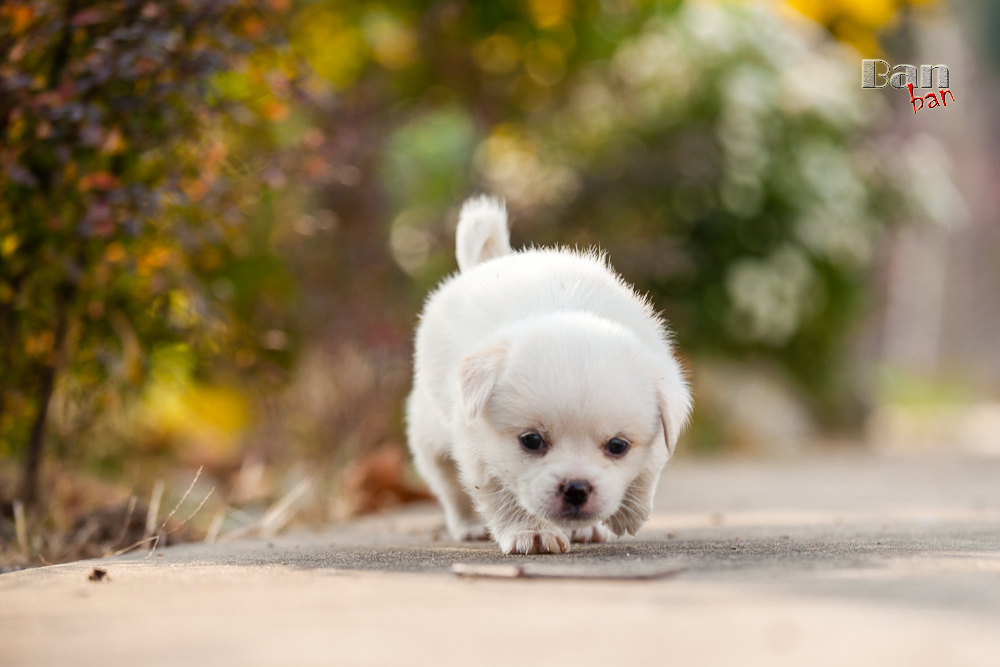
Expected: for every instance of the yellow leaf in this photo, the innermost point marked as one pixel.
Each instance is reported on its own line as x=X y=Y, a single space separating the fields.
x=497 y=54
x=114 y=253
x=114 y=143
x=394 y=44
x=155 y=258
x=550 y=13
x=9 y=245
x=20 y=17
x=39 y=344
x=275 y=111
x=334 y=48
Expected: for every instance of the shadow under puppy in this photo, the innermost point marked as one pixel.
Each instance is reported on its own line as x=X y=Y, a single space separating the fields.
x=546 y=396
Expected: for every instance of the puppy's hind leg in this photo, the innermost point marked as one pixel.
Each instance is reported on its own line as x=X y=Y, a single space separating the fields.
x=441 y=474
x=432 y=459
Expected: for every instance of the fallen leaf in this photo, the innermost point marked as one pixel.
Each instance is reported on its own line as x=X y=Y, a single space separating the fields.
x=378 y=480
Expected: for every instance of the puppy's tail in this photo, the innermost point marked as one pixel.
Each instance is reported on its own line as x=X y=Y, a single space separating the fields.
x=482 y=232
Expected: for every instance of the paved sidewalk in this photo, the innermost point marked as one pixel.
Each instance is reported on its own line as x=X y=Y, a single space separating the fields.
x=823 y=561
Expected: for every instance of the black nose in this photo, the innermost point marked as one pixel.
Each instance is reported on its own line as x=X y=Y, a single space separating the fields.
x=576 y=492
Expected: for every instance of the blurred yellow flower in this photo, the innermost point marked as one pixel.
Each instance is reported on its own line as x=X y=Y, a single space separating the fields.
x=189 y=409
x=550 y=13
x=497 y=54
x=9 y=245
x=329 y=42
x=253 y=27
x=114 y=143
x=874 y=13
x=855 y=22
x=394 y=44
x=114 y=253
x=545 y=62
x=182 y=312
x=154 y=258
x=275 y=111
x=205 y=421
x=39 y=344
x=20 y=17
x=195 y=189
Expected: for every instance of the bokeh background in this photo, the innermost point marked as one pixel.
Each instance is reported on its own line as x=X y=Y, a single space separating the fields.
x=219 y=219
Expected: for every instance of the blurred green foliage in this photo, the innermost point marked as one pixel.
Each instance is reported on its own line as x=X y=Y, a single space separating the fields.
x=721 y=152
x=194 y=192
x=129 y=219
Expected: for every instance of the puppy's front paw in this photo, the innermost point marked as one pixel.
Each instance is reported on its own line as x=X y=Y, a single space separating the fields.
x=598 y=533
x=534 y=542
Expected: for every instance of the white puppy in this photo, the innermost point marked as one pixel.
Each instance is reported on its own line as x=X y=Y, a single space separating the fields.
x=546 y=398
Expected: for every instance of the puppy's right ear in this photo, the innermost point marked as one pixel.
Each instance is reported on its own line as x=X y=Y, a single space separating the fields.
x=477 y=376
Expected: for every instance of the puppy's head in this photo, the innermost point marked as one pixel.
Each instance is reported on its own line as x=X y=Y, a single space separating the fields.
x=569 y=410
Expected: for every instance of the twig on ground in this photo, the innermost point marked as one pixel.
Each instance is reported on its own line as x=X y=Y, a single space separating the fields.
x=241 y=516
x=192 y=514
x=215 y=527
x=177 y=507
x=568 y=570
x=124 y=531
x=487 y=571
x=154 y=509
x=125 y=550
x=21 y=526
x=282 y=511
x=156 y=538
x=276 y=516
x=237 y=533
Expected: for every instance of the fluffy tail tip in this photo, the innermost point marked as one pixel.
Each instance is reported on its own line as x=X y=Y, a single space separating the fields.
x=482 y=232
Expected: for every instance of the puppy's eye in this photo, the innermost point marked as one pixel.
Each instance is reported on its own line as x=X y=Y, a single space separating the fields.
x=532 y=442
x=616 y=446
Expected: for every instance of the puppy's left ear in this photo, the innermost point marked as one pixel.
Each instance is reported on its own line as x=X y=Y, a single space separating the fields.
x=675 y=407
x=477 y=376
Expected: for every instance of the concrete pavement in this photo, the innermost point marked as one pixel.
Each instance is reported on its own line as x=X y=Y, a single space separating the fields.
x=825 y=560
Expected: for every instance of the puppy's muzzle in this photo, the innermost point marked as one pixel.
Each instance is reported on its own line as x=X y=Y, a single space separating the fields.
x=575 y=492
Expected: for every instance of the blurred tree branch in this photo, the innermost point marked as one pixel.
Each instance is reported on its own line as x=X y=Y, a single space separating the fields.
x=105 y=203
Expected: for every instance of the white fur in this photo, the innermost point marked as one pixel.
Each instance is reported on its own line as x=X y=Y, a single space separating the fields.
x=550 y=341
